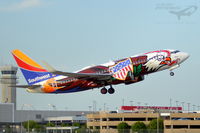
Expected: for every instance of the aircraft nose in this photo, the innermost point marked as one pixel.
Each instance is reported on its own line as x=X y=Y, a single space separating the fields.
x=184 y=56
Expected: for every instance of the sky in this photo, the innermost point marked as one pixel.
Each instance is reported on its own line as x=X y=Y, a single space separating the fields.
x=72 y=34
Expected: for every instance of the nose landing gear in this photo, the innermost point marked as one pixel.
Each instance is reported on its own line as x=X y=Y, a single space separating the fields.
x=171 y=73
x=172 y=68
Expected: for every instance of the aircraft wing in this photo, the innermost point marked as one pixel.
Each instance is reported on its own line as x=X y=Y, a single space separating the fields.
x=26 y=86
x=78 y=75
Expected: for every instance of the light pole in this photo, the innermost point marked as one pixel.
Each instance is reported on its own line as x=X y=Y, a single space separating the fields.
x=170 y=105
x=158 y=123
x=123 y=102
x=182 y=106
x=193 y=107
x=138 y=105
x=176 y=103
x=27 y=105
x=89 y=108
x=54 y=108
x=94 y=106
x=188 y=107
x=131 y=103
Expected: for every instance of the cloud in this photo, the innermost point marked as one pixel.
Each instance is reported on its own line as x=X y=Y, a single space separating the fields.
x=24 y=4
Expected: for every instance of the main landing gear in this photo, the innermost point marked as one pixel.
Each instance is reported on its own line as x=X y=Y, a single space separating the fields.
x=111 y=90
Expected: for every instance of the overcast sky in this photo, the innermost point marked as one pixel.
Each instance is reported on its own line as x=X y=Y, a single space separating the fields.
x=71 y=34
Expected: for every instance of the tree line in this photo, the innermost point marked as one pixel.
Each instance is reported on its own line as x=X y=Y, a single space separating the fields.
x=123 y=127
x=141 y=127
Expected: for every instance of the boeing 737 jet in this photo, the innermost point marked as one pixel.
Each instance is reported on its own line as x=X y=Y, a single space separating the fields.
x=127 y=71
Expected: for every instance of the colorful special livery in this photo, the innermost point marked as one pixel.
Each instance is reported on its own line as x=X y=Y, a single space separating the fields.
x=128 y=70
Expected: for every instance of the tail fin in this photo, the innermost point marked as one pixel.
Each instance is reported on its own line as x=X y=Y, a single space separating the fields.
x=32 y=71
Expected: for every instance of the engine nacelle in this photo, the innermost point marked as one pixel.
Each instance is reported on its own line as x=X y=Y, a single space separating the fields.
x=135 y=80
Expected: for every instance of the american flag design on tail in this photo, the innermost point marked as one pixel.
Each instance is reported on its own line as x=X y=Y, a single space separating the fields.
x=121 y=69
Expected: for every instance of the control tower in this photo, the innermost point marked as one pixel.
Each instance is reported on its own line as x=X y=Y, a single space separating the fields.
x=8 y=78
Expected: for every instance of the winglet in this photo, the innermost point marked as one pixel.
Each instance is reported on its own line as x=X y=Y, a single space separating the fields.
x=48 y=67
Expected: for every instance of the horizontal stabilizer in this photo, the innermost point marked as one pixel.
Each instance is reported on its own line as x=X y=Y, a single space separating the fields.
x=26 y=86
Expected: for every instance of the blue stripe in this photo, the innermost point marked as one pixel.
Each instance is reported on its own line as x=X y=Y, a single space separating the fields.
x=35 y=77
x=120 y=66
x=71 y=90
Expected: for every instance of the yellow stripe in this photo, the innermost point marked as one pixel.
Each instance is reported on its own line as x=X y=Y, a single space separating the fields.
x=25 y=58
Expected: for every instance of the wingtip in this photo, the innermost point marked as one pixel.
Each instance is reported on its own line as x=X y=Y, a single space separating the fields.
x=48 y=67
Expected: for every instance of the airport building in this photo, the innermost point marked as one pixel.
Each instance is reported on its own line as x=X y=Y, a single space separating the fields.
x=7 y=80
x=174 y=120
x=10 y=115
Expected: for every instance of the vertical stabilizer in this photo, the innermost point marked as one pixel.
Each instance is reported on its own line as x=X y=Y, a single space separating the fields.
x=32 y=71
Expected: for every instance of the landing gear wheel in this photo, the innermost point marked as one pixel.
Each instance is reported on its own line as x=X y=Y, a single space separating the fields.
x=104 y=90
x=111 y=90
x=171 y=73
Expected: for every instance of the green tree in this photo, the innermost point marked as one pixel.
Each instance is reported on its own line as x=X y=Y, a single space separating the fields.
x=123 y=127
x=83 y=128
x=49 y=124
x=8 y=129
x=39 y=128
x=139 y=127
x=65 y=125
x=31 y=124
x=76 y=125
x=152 y=127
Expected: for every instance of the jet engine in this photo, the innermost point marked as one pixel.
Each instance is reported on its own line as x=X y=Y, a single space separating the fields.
x=136 y=79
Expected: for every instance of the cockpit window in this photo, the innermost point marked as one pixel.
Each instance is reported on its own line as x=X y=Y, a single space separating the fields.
x=174 y=52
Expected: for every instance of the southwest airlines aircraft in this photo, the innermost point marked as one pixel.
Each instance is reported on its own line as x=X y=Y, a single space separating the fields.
x=128 y=70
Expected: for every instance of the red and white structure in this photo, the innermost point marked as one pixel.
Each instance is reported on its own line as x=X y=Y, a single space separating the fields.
x=136 y=108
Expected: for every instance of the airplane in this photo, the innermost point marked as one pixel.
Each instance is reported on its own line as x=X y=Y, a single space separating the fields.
x=127 y=71
x=185 y=12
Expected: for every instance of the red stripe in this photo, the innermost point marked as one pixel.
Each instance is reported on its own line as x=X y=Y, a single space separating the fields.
x=124 y=73
x=126 y=68
x=119 y=75
x=23 y=65
x=129 y=68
